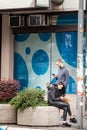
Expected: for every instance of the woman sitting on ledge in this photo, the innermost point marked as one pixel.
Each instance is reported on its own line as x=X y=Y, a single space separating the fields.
x=57 y=98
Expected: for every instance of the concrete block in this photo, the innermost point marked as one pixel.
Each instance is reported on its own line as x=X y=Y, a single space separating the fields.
x=7 y=114
x=40 y=116
x=14 y=128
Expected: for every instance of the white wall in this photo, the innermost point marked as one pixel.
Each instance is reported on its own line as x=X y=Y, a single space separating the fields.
x=43 y=3
x=72 y=4
x=15 y=4
x=7 y=50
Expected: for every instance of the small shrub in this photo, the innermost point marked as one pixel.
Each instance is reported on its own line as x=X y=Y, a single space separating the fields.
x=8 y=90
x=29 y=98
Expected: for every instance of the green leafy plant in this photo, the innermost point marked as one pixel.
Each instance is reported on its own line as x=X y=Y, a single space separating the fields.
x=29 y=97
x=8 y=90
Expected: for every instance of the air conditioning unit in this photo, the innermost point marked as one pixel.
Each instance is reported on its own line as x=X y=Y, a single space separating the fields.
x=16 y=21
x=38 y=20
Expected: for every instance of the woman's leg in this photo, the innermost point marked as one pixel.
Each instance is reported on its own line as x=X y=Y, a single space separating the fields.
x=64 y=106
x=64 y=113
x=68 y=109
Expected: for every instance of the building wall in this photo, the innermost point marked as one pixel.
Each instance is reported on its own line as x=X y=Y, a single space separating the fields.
x=72 y=4
x=25 y=4
x=7 y=50
x=35 y=58
x=36 y=54
x=68 y=5
x=0 y=42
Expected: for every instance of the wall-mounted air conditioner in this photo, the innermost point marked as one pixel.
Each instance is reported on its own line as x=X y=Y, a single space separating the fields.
x=38 y=20
x=16 y=21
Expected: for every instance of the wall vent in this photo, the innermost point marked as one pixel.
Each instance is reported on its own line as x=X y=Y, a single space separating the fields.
x=16 y=21
x=38 y=20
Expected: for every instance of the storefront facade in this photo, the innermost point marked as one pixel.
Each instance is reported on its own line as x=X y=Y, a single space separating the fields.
x=29 y=54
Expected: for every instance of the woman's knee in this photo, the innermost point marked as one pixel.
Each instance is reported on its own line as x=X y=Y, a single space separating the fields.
x=67 y=105
x=65 y=108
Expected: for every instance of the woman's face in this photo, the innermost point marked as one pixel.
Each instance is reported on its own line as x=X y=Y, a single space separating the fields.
x=60 y=86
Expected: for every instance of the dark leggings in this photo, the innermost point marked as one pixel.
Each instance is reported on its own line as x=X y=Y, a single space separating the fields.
x=64 y=106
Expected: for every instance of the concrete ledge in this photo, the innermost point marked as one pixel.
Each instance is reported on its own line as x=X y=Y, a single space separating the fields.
x=12 y=128
x=7 y=114
x=17 y=128
x=40 y=116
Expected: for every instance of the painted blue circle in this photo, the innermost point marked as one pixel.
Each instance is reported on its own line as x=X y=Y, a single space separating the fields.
x=20 y=71
x=38 y=87
x=44 y=36
x=27 y=50
x=21 y=37
x=40 y=62
x=67 y=46
x=53 y=81
x=71 y=87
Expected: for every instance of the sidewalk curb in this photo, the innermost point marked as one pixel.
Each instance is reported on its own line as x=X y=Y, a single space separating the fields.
x=12 y=128
x=16 y=128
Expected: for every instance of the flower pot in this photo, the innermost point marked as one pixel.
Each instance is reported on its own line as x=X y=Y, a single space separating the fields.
x=8 y=114
x=39 y=116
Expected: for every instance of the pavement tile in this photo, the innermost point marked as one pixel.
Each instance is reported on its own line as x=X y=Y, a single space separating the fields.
x=18 y=127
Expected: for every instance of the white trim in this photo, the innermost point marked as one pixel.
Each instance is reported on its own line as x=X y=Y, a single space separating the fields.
x=15 y=4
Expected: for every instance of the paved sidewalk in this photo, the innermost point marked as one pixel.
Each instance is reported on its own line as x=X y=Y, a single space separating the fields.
x=18 y=127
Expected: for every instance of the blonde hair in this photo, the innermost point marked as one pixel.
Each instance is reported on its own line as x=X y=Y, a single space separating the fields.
x=59 y=60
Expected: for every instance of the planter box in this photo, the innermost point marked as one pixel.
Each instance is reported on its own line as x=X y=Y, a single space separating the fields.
x=8 y=114
x=40 y=116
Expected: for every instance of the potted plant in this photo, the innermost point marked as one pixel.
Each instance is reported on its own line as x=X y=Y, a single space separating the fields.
x=8 y=90
x=33 y=109
x=29 y=97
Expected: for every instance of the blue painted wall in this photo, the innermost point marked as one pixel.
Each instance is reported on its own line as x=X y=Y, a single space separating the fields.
x=36 y=54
